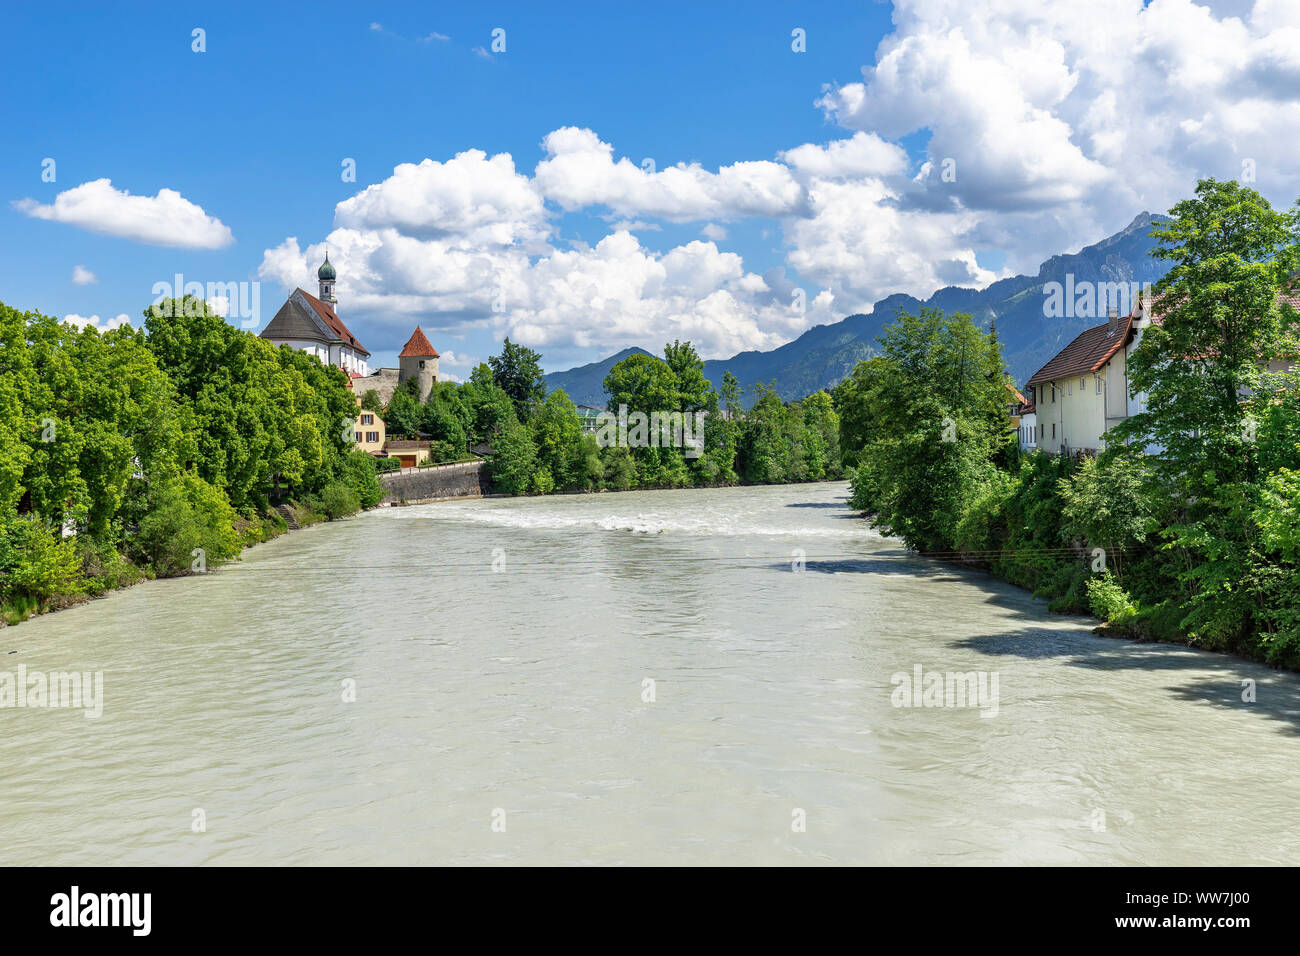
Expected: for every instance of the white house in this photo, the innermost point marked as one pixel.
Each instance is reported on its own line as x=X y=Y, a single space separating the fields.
x=1027 y=430
x=1083 y=392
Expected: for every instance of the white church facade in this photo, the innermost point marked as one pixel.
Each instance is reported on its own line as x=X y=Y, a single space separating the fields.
x=312 y=325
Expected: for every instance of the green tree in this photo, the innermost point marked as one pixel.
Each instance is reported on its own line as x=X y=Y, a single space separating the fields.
x=360 y=475
x=1201 y=367
x=404 y=414
x=692 y=388
x=35 y=563
x=764 y=452
x=643 y=383
x=618 y=467
x=822 y=439
x=1108 y=503
x=518 y=372
x=514 y=459
x=557 y=435
x=186 y=515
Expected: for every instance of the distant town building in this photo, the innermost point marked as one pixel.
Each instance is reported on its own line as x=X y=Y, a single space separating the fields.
x=1027 y=426
x=312 y=325
x=589 y=418
x=1083 y=391
x=409 y=453
x=1021 y=416
x=370 y=432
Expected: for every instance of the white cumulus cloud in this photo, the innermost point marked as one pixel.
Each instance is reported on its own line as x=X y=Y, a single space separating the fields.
x=166 y=219
x=580 y=171
x=477 y=199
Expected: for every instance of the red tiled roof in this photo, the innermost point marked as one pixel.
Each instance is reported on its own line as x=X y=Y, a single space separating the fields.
x=1091 y=349
x=333 y=322
x=1094 y=347
x=418 y=346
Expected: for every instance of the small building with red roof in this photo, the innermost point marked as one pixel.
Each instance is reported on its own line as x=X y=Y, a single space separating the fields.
x=1083 y=392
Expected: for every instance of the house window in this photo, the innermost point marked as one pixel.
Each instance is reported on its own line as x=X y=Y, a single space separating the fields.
x=1098 y=377
x=367 y=419
x=372 y=436
x=421 y=363
x=1053 y=429
x=1083 y=382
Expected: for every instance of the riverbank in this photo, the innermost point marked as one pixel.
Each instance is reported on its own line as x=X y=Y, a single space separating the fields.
x=1158 y=624
x=102 y=577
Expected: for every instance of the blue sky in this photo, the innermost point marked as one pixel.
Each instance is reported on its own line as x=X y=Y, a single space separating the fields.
x=592 y=256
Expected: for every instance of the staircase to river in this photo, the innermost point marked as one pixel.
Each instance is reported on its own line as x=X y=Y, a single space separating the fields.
x=287 y=513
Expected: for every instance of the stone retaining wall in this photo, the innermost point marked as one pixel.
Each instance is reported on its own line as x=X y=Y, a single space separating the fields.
x=462 y=480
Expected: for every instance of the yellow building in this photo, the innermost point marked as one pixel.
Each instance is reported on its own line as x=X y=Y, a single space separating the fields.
x=409 y=453
x=368 y=431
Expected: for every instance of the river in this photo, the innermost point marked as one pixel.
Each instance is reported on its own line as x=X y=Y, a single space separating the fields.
x=702 y=676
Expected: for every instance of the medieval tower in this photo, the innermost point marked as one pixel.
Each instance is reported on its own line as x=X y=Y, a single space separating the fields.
x=418 y=360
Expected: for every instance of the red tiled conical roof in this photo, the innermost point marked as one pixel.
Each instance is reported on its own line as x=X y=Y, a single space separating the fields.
x=418 y=346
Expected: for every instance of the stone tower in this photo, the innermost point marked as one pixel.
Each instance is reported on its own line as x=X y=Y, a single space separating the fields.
x=418 y=360
x=326 y=276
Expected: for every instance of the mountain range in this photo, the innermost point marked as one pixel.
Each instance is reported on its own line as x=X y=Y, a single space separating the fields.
x=1030 y=328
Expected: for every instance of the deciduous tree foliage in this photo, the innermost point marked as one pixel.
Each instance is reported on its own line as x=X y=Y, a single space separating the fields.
x=518 y=372
x=1196 y=543
x=547 y=449
x=146 y=444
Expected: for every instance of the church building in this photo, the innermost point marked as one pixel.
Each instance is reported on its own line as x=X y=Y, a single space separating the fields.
x=311 y=323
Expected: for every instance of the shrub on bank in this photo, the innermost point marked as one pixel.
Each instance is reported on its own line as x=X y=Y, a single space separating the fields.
x=338 y=500
x=186 y=515
x=361 y=475
x=35 y=566
x=1108 y=601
